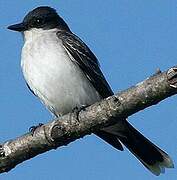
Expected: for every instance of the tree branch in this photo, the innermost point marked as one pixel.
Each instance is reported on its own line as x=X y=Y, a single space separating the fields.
x=68 y=128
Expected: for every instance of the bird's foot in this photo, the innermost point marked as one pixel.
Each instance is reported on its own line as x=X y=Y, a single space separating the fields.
x=32 y=129
x=2 y=152
x=77 y=110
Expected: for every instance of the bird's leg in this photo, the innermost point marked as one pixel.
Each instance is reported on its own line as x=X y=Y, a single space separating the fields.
x=33 y=128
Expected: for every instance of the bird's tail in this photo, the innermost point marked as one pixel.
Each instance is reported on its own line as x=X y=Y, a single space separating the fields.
x=147 y=153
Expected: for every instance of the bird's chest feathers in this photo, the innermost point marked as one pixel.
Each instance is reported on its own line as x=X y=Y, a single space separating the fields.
x=45 y=61
x=53 y=76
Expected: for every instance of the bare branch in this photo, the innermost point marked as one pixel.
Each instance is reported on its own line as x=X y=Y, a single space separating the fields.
x=68 y=128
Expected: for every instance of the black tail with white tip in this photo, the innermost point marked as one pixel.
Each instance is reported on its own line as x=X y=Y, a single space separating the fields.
x=152 y=157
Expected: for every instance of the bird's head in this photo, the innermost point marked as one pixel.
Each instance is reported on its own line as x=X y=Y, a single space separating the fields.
x=43 y=17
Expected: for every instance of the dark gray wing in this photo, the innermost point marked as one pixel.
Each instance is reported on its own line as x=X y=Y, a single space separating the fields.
x=86 y=60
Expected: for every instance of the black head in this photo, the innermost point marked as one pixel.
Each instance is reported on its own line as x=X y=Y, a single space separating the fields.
x=41 y=17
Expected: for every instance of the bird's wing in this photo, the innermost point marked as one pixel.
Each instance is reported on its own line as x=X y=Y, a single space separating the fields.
x=83 y=56
x=86 y=60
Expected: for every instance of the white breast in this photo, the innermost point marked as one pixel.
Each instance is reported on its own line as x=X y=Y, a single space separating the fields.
x=51 y=74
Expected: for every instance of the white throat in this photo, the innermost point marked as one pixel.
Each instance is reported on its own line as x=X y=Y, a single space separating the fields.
x=33 y=33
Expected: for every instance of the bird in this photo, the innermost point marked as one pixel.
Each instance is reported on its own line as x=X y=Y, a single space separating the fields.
x=62 y=71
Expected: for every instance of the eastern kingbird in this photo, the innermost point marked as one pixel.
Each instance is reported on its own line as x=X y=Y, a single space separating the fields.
x=63 y=73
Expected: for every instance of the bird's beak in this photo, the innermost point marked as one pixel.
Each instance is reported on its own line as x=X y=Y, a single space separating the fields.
x=18 y=27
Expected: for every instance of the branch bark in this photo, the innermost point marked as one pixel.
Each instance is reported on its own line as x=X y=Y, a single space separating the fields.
x=68 y=128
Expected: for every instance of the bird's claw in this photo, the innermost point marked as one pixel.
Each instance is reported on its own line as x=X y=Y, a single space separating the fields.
x=77 y=110
x=32 y=129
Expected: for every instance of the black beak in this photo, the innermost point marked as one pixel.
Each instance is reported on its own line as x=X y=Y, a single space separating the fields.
x=18 y=27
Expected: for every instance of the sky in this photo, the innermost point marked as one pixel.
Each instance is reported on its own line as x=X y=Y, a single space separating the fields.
x=131 y=40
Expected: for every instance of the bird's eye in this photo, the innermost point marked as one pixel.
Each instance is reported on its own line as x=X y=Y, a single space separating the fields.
x=38 y=21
